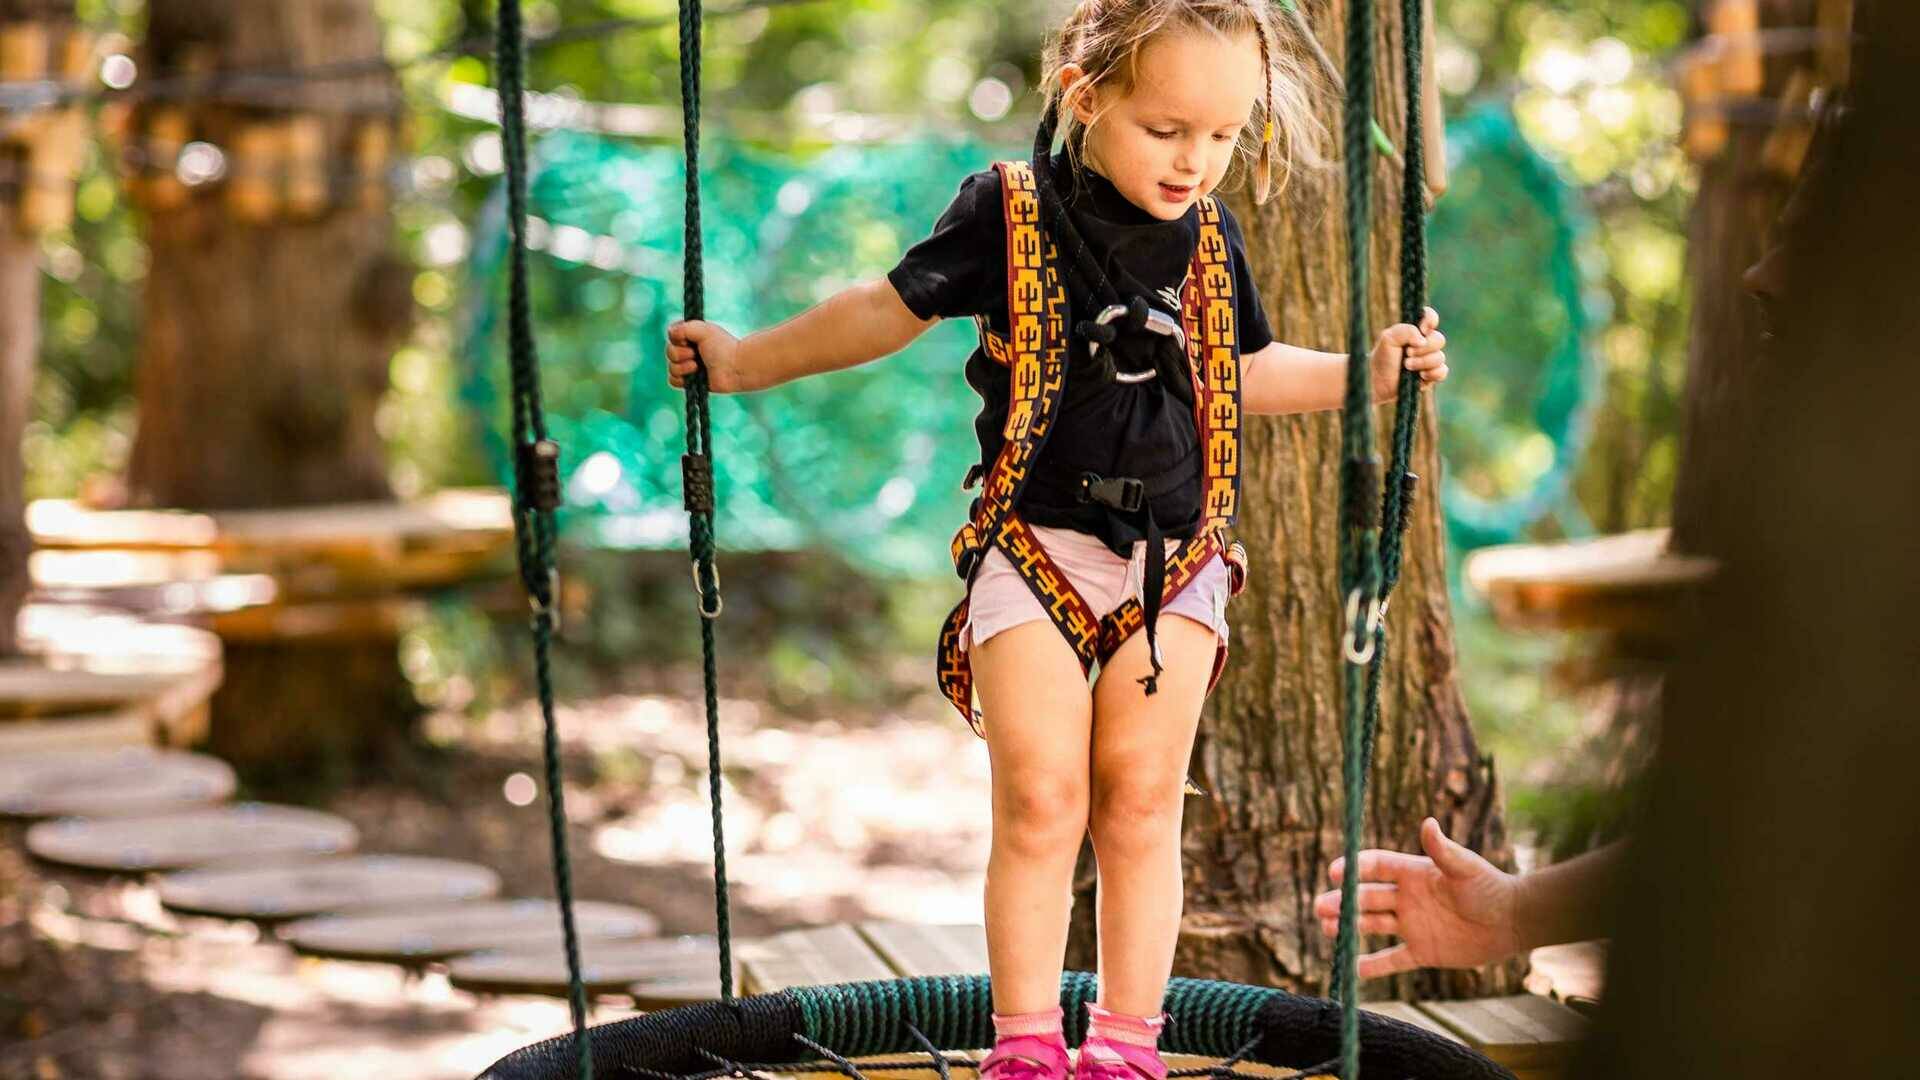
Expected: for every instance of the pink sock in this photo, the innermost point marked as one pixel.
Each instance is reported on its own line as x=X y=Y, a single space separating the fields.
x=1122 y=1027
x=1043 y=1023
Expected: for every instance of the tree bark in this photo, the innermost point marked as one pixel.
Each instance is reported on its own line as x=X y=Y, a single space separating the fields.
x=1739 y=198
x=1256 y=848
x=271 y=318
x=266 y=343
x=19 y=343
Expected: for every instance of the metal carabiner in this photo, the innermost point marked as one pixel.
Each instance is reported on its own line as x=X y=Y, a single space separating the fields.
x=719 y=603
x=1158 y=322
x=1375 y=618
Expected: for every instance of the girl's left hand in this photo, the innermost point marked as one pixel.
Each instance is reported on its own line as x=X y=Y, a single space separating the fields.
x=1424 y=348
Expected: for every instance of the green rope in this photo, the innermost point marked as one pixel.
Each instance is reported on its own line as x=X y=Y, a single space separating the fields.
x=1359 y=520
x=697 y=468
x=1371 y=547
x=534 y=497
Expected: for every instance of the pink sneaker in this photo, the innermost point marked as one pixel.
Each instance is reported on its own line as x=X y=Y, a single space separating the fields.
x=1027 y=1057
x=1101 y=1058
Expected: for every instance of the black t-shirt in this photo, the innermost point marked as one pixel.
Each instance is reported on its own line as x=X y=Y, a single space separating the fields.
x=1104 y=426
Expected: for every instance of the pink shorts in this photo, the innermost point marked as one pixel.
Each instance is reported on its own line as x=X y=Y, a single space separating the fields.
x=1000 y=598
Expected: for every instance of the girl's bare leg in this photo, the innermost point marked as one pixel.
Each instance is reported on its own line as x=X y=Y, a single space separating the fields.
x=1038 y=713
x=1141 y=748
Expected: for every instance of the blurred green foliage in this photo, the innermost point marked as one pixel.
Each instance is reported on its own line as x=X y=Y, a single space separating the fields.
x=1585 y=77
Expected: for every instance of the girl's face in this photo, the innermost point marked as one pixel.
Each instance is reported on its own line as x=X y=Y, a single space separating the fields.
x=1169 y=141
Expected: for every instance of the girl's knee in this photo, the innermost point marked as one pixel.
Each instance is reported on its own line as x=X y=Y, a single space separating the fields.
x=1040 y=813
x=1136 y=811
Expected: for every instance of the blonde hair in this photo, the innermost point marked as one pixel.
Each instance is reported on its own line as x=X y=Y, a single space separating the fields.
x=1105 y=38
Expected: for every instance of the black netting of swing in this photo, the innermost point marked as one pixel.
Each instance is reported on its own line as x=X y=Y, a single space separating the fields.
x=928 y=1022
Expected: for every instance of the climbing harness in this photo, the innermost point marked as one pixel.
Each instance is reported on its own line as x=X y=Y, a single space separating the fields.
x=1035 y=353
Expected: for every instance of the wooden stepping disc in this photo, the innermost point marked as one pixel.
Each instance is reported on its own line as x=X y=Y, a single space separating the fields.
x=110 y=782
x=607 y=967
x=671 y=993
x=178 y=841
x=914 y=949
x=301 y=890
x=439 y=933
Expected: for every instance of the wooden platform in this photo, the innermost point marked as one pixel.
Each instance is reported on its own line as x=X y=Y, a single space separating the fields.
x=1533 y=1036
x=92 y=678
x=810 y=957
x=446 y=538
x=326 y=887
x=154 y=584
x=1626 y=584
x=247 y=832
x=113 y=782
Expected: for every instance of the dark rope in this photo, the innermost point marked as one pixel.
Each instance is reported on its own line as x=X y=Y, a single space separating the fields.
x=699 y=463
x=1372 y=550
x=1359 y=527
x=534 y=488
x=1396 y=501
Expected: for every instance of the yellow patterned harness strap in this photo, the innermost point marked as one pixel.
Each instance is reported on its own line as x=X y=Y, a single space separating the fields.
x=1035 y=352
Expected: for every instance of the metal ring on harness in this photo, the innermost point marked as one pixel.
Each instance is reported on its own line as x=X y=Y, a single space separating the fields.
x=1157 y=321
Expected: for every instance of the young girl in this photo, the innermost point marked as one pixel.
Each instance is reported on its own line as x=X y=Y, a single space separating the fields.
x=1156 y=97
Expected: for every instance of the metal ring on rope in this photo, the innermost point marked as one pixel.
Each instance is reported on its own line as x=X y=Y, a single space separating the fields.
x=1376 y=616
x=700 y=592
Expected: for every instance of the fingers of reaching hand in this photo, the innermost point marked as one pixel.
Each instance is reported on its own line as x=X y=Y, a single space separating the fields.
x=1452 y=859
x=1373 y=898
x=1383 y=922
x=1390 y=961
x=1379 y=865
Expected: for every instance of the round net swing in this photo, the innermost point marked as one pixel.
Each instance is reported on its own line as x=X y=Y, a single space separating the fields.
x=917 y=1025
x=923 y=1025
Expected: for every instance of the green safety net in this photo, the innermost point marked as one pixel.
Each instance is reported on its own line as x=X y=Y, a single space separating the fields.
x=1508 y=269
x=868 y=462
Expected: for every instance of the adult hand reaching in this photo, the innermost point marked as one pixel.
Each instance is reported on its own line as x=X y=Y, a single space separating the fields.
x=1450 y=908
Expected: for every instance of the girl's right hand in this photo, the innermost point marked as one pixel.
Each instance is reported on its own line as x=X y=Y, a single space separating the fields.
x=717 y=348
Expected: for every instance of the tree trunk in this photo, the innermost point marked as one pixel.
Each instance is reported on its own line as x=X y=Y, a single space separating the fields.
x=1256 y=848
x=1739 y=198
x=268 y=330
x=19 y=302
x=273 y=306
x=19 y=340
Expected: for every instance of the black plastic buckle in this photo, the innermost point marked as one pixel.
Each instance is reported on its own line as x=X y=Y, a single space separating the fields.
x=1124 y=493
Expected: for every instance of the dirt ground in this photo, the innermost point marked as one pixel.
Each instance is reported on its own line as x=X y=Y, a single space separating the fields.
x=882 y=814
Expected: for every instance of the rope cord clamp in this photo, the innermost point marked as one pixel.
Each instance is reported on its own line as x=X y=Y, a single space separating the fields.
x=719 y=604
x=1376 y=617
